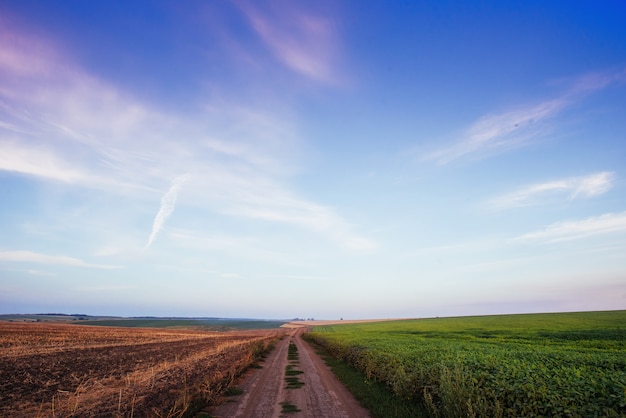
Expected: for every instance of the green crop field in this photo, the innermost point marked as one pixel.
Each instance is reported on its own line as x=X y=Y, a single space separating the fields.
x=204 y=324
x=566 y=364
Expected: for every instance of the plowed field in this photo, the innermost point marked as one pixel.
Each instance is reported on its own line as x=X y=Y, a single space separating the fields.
x=68 y=370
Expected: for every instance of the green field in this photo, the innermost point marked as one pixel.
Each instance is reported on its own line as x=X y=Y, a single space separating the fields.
x=566 y=364
x=208 y=324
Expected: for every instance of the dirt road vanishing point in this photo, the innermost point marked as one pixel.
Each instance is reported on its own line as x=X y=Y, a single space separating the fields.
x=292 y=383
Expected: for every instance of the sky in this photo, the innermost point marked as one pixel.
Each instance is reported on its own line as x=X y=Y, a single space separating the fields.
x=326 y=159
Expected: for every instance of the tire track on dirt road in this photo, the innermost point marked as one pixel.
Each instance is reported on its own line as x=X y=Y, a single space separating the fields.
x=262 y=389
x=322 y=395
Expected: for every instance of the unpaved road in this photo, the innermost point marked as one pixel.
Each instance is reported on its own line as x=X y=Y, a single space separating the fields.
x=266 y=392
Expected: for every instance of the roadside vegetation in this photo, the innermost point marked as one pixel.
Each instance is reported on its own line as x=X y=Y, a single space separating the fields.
x=372 y=395
x=569 y=365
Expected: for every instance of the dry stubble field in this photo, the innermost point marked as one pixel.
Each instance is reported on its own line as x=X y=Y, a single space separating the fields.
x=63 y=370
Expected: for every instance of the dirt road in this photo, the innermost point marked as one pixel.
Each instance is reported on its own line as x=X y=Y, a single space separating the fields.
x=293 y=382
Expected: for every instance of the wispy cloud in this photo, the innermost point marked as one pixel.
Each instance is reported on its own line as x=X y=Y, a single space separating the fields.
x=504 y=131
x=36 y=161
x=60 y=123
x=303 y=41
x=168 y=203
x=277 y=205
x=299 y=277
x=571 y=187
x=108 y=288
x=571 y=230
x=33 y=257
x=13 y=60
x=496 y=132
x=35 y=272
x=243 y=247
x=593 y=185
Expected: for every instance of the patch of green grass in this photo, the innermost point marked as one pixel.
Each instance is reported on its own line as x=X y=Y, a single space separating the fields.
x=290 y=371
x=292 y=353
x=233 y=391
x=293 y=383
x=289 y=408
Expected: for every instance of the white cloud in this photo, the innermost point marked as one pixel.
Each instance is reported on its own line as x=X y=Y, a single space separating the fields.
x=594 y=185
x=276 y=205
x=37 y=161
x=571 y=230
x=504 y=131
x=32 y=257
x=572 y=188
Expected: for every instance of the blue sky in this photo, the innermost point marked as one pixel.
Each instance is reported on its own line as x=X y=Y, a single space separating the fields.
x=314 y=159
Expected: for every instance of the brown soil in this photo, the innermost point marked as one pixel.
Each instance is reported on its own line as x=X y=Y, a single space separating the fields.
x=65 y=370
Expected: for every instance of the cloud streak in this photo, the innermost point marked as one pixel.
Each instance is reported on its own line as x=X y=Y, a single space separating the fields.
x=504 y=131
x=168 y=203
x=497 y=132
x=36 y=161
x=572 y=230
x=581 y=187
x=33 y=257
x=302 y=41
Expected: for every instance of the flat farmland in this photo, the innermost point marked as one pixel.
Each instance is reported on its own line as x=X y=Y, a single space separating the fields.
x=561 y=364
x=49 y=369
